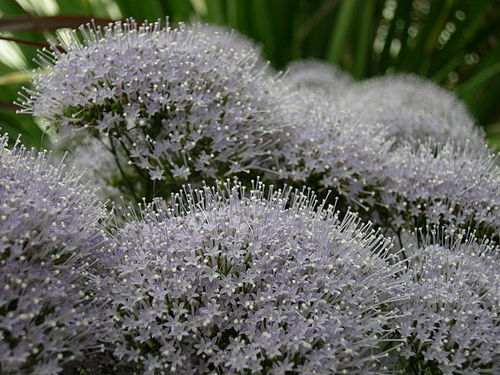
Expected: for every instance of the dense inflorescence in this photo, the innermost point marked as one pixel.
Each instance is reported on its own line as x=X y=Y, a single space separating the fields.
x=318 y=76
x=224 y=282
x=444 y=185
x=452 y=320
x=49 y=234
x=400 y=185
x=235 y=280
x=411 y=107
x=181 y=103
x=329 y=149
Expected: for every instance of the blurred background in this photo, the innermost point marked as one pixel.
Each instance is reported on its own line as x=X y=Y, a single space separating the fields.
x=455 y=43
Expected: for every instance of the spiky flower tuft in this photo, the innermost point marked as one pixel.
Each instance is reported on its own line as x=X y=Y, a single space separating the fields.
x=328 y=148
x=411 y=107
x=452 y=320
x=447 y=185
x=235 y=282
x=402 y=185
x=183 y=104
x=49 y=232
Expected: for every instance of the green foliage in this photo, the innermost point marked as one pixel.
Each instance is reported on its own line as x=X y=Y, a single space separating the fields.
x=453 y=42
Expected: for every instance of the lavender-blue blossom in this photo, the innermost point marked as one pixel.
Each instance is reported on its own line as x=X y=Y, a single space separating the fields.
x=49 y=235
x=234 y=282
x=451 y=322
x=401 y=185
x=445 y=184
x=328 y=148
x=183 y=104
x=411 y=107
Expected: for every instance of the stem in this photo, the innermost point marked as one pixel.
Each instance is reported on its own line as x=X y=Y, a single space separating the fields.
x=147 y=181
x=29 y=43
x=113 y=151
x=414 y=366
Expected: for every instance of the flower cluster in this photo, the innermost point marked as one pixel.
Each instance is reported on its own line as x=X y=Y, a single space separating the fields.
x=411 y=107
x=449 y=185
x=400 y=185
x=186 y=103
x=49 y=234
x=236 y=279
x=228 y=282
x=451 y=321
x=330 y=149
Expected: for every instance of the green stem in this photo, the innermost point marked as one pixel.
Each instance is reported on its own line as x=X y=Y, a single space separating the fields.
x=115 y=154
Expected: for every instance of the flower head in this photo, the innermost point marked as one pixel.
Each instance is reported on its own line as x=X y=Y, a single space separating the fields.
x=318 y=76
x=49 y=232
x=235 y=282
x=411 y=107
x=447 y=185
x=183 y=101
x=402 y=185
x=451 y=320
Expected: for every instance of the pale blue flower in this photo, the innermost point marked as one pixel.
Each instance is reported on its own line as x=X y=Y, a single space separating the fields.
x=229 y=282
x=50 y=235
